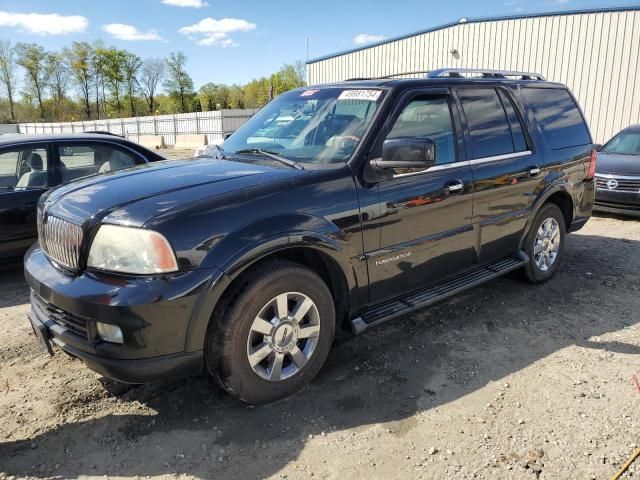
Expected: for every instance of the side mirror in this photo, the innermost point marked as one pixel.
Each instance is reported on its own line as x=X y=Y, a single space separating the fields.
x=406 y=152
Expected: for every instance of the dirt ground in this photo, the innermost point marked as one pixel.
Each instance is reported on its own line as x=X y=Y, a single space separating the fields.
x=505 y=381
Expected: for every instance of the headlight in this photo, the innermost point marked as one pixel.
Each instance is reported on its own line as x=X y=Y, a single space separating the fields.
x=131 y=250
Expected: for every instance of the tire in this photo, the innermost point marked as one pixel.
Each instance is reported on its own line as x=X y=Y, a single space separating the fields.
x=235 y=334
x=542 y=266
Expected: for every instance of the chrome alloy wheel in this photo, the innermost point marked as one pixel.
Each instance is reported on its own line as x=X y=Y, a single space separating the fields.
x=283 y=336
x=547 y=244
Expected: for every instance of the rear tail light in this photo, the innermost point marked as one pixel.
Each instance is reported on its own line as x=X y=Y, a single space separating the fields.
x=592 y=164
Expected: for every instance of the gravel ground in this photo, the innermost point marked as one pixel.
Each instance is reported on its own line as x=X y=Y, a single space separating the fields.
x=505 y=381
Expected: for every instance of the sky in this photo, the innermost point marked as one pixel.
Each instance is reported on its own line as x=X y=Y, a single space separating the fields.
x=235 y=41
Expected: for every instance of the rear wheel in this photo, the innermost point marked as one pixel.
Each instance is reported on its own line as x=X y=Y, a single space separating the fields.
x=544 y=244
x=273 y=335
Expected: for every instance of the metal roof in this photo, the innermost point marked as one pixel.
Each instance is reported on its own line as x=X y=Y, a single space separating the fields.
x=465 y=20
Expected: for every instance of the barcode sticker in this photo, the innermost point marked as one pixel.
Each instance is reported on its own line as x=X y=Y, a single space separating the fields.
x=370 y=95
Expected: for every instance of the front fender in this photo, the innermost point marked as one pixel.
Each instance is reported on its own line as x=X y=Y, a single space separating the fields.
x=238 y=251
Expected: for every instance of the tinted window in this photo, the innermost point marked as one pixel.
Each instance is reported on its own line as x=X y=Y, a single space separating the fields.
x=517 y=132
x=487 y=121
x=24 y=167
x=428 y=118
x=558 y=117
x=82 y=159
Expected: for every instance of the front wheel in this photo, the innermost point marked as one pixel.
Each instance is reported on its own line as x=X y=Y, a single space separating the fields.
x=274 y=334
x=544 y=244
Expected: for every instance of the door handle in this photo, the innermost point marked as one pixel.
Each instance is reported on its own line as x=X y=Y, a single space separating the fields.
x=534 y=170
x=456 y=186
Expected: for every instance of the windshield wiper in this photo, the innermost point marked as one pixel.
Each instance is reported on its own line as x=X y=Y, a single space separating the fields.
x=273 y=156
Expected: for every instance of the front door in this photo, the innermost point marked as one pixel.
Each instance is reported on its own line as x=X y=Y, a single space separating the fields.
x=423 y=231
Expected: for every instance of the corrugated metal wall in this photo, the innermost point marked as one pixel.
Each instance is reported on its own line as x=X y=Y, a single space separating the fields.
x=595 y=54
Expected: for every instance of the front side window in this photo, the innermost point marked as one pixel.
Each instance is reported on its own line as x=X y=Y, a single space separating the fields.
x=428 y=118
x=489 y=126
x=321 y=126
x=24 y=167
x=625 y=143
x=82 y=159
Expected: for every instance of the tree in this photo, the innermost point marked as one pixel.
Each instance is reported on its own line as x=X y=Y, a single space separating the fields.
x=115 y=75
x=98 y=67
x=58 y=75
x=131 y=66
x=79 y=59
x=8 y=72
x=33 y=58
x=152 y=73
x=178 y=83
x=213 y=97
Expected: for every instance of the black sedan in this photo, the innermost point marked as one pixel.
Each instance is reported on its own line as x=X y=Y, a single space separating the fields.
x=30 y=165
x=618 y=174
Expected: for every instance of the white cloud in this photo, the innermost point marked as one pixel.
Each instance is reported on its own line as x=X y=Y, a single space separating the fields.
x=123 y=31
x=210 y=31
x=44 y=23
x=364 y=38
x=186 y=3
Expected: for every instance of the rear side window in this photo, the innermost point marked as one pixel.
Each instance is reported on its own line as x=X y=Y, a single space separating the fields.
x=492 y=131
x=558 y=116
x=82 y=159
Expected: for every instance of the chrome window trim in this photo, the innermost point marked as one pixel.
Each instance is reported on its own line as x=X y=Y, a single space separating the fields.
x=617 y=177
x=497 y=158
x=466 y=163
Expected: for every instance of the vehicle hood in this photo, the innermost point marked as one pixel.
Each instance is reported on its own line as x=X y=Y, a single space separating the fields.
x=615 y=163
x=133 y=196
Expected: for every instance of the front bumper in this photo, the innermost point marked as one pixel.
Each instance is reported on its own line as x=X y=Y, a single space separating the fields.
x=620 y=202
x=154 y=313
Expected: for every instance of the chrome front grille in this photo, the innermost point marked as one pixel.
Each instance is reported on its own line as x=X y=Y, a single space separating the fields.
x=615 y=183
x=60 y=240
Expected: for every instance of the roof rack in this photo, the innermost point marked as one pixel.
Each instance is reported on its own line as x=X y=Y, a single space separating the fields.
x=481 y=72
x=458 y=73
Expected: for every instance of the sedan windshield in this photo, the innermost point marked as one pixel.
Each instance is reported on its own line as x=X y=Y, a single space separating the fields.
x=625 y=143
x=308 y=126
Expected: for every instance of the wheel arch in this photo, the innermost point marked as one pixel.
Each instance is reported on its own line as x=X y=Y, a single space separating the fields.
x=320 y=255
x=557 y=194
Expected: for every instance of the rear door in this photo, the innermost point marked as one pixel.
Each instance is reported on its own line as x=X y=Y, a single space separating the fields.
x=423 y=232
x=507 y=169
x=25 y=174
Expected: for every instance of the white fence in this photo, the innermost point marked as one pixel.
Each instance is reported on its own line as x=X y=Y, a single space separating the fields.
x=213 y=124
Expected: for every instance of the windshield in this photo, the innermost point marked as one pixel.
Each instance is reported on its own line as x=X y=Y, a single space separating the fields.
x=625 y=143
x=309 y=126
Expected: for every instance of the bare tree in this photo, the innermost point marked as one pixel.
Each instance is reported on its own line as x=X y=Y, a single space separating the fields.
x=153 y=72
x=8 y=69
x=33 y=58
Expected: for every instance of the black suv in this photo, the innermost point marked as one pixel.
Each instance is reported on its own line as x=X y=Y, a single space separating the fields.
x=347 y=204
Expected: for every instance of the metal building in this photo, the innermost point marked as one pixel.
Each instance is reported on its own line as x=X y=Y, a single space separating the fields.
x=595 y=52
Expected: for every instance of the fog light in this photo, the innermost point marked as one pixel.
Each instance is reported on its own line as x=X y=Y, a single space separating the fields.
x=109 y=333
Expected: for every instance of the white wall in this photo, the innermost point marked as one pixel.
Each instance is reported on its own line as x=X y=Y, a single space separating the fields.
x=214 y=124
x=595 y=54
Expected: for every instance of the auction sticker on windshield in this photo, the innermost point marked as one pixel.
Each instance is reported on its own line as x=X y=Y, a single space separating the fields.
x=371 y=95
